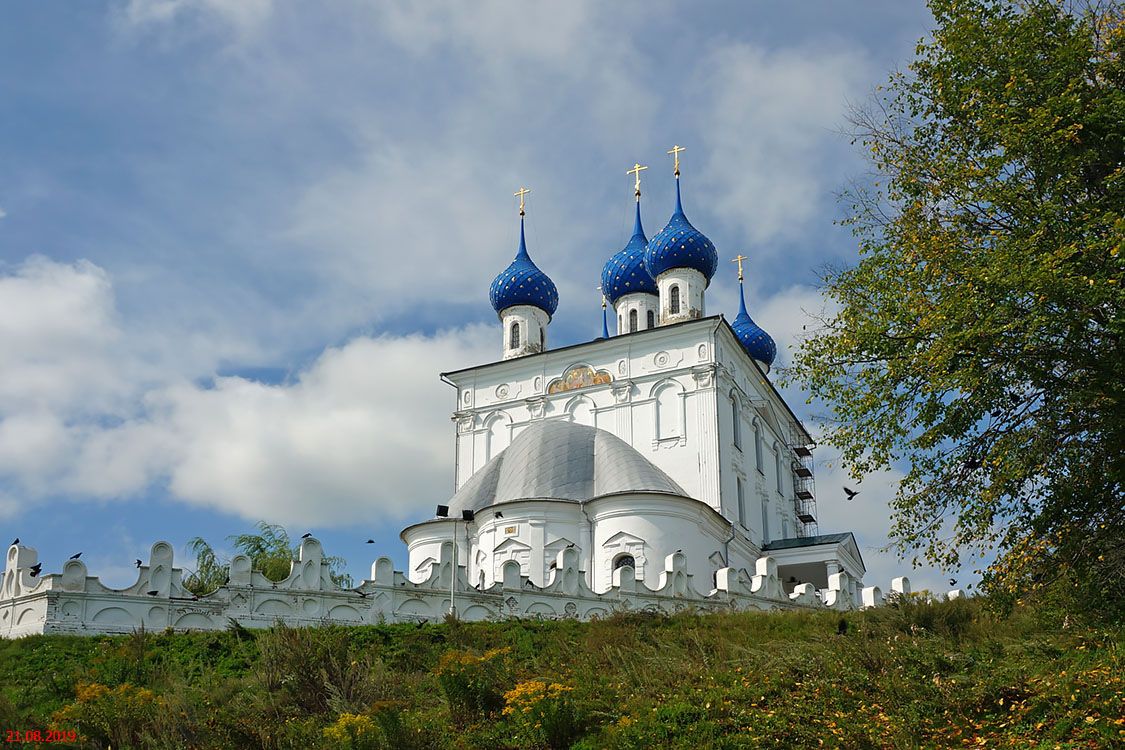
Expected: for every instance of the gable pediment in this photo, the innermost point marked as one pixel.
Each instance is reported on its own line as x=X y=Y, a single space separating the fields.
x=510 y=544
x=622 y=538
x=559 y=543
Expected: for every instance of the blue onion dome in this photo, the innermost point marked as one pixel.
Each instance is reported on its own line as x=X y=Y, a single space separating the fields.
x=625 y=272
x=522 y=283
x=757 y=343
x=680 y=245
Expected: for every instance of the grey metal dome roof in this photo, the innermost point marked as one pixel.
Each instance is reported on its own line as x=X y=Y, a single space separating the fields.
x=561 y=461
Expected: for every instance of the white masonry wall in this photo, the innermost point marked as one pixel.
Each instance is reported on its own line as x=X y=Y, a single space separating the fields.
x=668 y=394
x=74 y=602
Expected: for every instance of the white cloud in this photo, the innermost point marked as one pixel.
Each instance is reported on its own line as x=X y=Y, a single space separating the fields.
x=244 y=16
x=362 y=432
x=774 y=158
x=3 y=213
x=401 y=228
x=59 y=336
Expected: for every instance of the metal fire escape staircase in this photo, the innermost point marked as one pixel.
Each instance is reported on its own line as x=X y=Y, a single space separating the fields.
x=804 y=485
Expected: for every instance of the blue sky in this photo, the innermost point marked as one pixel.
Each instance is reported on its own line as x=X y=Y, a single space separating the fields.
x=240 y=238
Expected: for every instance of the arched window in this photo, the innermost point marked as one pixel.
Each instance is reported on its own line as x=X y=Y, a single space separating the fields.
x=622 y=560
x=632 y=321
x=515 y=337
x=674 y=300
x=758 y=448
x=736 y=420
x=651 y=319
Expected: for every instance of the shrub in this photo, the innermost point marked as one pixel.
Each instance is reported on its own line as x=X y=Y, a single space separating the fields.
x=473 y=683
x=354 y=732
x=543 y=714
x=115 y=716
x=316 y=669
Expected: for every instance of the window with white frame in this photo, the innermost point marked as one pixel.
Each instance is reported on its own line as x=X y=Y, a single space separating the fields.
x=765 y=520
x=736 y=420
x=758 y=448
x=741 y=500
x=777 y=467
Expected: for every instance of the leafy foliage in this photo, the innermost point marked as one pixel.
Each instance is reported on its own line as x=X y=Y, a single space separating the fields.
x=979 y=338
x=271 y=552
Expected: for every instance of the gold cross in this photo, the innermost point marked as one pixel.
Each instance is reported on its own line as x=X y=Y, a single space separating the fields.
x=739 y=260
x=675 y=152
x=636 y=170
x=520 y=194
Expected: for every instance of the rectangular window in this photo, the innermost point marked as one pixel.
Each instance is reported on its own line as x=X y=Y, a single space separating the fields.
x=758 y=450
x=736 y=420
x=765 y=521
x=741 y=502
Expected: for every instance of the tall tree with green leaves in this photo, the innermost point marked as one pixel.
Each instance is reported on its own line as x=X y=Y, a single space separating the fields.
x=270 y=551
x=978 y=340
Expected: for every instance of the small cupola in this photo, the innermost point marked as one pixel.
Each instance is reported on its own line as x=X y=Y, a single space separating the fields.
x=682 y=261
x=524 y=298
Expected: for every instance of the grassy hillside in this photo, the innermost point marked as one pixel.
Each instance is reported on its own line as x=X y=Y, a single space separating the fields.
x=931 y=675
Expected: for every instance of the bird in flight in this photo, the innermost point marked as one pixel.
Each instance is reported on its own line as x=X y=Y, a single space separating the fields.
x=137 y=563
x=76 y=555
x=35 y=569
x=306 y=535
x=952 y=581
x=850 y=493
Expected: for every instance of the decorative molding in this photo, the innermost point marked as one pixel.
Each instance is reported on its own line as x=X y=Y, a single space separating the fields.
x=622 y=390
x=464 y=420
x=704 y=376
x=536 y=406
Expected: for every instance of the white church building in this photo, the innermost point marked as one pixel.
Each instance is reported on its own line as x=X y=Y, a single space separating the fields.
x=655 y=468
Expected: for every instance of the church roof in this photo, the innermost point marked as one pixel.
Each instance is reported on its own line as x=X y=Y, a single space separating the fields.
x=807 y=541
x=625 y=272
x=561 y=461
x=680 y=245
x=757 y=343
x=522 y=283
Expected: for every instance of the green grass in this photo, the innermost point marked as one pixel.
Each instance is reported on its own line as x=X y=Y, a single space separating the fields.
x=917 y=675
